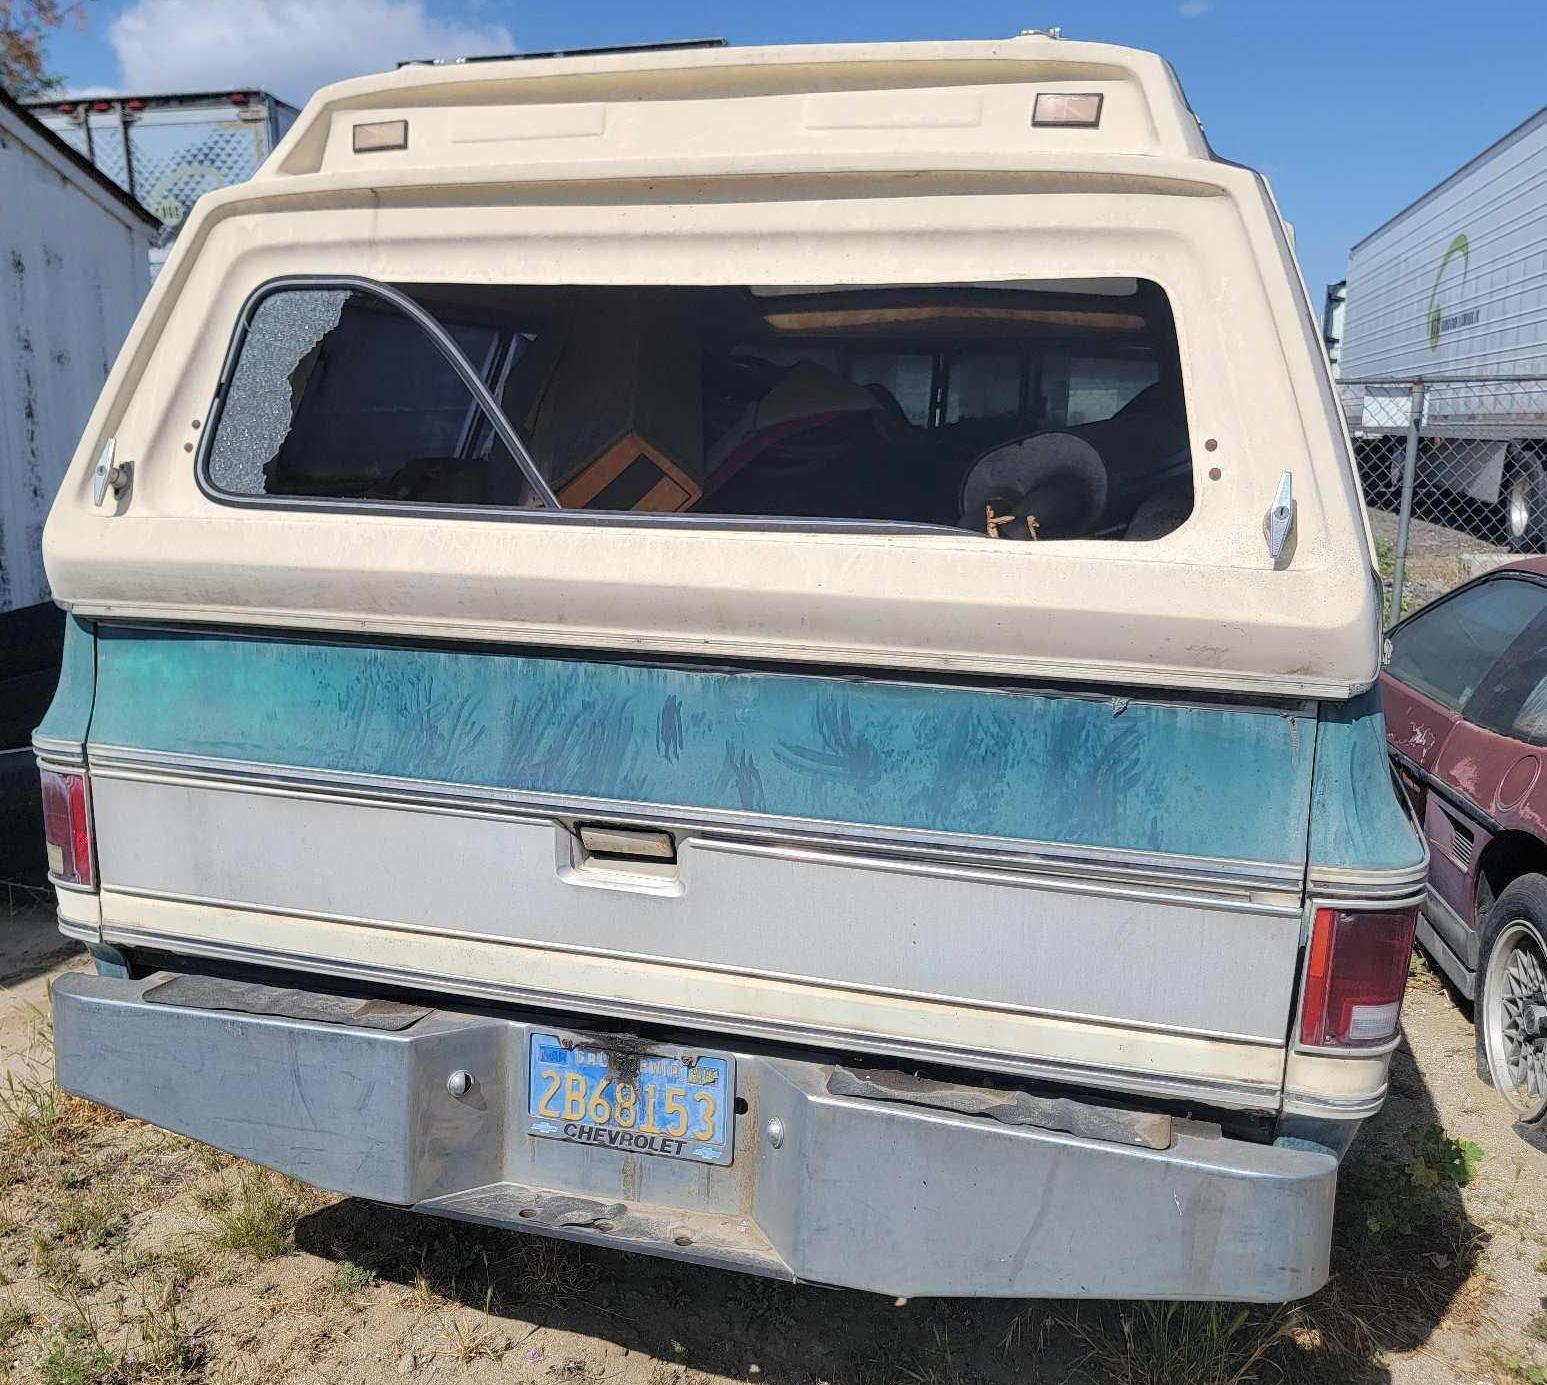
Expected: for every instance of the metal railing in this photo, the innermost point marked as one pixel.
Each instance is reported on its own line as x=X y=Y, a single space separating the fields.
x=1454 y=475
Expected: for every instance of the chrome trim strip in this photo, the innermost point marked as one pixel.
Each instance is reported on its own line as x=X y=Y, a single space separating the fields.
x=59 y=754
x=1382 y=1050
x=1410 y=898
x=1367 y=886
x=1234 y=1095
x=678 y=964
x=1001 y=874
x=1230 y=877
x=51 y=745
x=80 y=932
x=1298 y=1103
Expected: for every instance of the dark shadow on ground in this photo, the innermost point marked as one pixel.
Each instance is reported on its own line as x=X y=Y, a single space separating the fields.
x=30 y=940
x=699 y=1319
x=1403 y=1249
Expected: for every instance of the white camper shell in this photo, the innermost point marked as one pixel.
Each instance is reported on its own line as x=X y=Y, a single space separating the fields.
x=893 y=166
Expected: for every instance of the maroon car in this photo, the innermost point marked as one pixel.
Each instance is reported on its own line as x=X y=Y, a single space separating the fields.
x=1465 y=688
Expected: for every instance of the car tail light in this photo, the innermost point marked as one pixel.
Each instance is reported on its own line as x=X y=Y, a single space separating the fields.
x=1354 y=977
x=67 y=827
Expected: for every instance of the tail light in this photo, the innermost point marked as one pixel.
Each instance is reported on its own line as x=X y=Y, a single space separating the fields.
x=1354 y=977
x=67 y=827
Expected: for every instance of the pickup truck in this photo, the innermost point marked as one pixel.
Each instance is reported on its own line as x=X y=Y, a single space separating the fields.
x=758 y=655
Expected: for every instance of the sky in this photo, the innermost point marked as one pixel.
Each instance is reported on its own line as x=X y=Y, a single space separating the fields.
x=1352 y=109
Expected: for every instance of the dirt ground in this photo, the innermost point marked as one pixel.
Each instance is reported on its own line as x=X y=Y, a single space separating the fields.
x=1438 y=557
x=127 y=1254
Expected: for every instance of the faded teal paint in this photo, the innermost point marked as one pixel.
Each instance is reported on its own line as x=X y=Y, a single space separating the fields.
x=1357 y=820
x=1154 y=776
x=69 y=714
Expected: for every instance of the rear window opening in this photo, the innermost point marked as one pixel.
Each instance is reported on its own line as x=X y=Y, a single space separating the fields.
x=1034 y=410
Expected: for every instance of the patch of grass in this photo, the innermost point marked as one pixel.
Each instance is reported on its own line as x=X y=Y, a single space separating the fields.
x=1541 y=1263
x=56 y=1264
x=93 y=1222
x=351 y=1278
x=74 y=1356
x=213 y=1199
x=14 y=1320
x=1404 y=1253
x=1402 y=1198
x=553 y=1273
x=1420 y=975
x=167 y=1348
x=470 y=1341
x=1167 y=1343
x=187 y=1260
x=1438 y=1158
x=1537 y=1326
x=261 y=1219
x=423 y=1297
x=1517 y=1368
x=35 y=1116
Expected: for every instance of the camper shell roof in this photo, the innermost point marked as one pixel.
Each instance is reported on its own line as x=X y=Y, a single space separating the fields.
x=620 y=106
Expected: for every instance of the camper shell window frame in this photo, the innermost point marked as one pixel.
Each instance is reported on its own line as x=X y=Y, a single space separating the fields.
x=547 y=508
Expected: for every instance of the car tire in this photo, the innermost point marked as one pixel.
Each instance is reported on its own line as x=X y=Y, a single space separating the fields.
x=1511 y=1013
x=1523 y=501
x=1380 y=472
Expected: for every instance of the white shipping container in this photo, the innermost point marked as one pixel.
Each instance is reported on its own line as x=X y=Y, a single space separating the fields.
x=73 y=271
x=1456 y=284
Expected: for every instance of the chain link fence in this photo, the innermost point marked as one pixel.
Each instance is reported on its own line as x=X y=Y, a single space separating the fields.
x=1454 y=473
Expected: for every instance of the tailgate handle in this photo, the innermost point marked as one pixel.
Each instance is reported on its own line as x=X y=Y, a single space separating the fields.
x=635 y=843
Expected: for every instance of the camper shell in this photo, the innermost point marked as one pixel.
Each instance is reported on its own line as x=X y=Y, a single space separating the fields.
x=827 y=581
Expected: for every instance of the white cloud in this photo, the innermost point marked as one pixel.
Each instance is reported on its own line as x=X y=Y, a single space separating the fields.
x=1194 y=9
x=289 y=47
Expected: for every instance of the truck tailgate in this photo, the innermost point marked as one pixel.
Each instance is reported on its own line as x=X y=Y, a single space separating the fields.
x=1094 y=888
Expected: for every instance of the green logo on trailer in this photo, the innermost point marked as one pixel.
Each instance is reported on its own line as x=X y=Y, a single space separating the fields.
x=1438 y=322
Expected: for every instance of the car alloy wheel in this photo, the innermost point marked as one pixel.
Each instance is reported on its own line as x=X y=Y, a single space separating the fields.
x=1515 y=1018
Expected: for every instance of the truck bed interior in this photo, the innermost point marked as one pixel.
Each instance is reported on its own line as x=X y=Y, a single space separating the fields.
x=1039 y=410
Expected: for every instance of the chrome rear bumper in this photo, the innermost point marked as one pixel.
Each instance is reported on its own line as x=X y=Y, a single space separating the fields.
x=868 y=1194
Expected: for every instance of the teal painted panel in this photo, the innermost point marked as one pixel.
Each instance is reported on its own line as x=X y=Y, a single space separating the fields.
x=69 y=714
x=1198 y=781
x=1357 y=820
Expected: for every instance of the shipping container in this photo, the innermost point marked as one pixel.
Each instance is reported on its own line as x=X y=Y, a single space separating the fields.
x=73 y=272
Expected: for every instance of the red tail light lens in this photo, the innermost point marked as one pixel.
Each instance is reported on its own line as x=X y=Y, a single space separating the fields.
x=1354 y=977
x=67 y=827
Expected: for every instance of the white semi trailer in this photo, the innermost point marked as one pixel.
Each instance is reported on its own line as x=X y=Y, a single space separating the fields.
x=1452 y=292
x=73 y=273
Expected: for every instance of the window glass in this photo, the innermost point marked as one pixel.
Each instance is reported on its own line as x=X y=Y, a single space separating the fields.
x=1099 y=388
x=1448 y=650
x=1530 y=722
x=1045 y=411
x=908 y=379
x=983 y=384
x=337 y=394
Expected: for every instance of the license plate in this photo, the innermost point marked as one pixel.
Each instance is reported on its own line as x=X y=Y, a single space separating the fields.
x=669 y=1101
